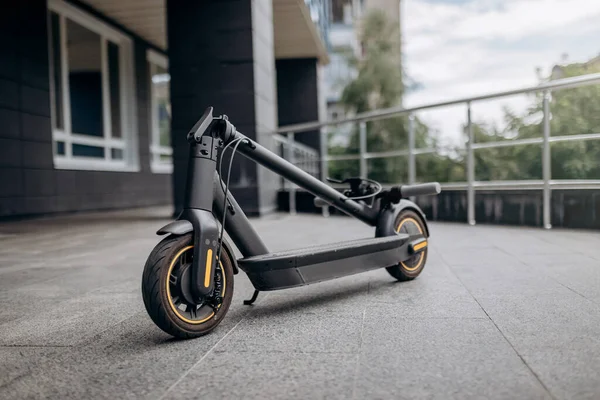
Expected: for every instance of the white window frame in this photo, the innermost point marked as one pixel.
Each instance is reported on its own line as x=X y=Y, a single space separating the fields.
x=156 y=150
x=128 y=142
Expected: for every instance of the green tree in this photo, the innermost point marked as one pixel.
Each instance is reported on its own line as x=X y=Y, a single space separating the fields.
x=380 y=84
x=576 y=111
x=573 y=111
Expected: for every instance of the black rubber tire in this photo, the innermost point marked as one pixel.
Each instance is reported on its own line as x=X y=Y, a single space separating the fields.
x=154 y=291
x=402 y=271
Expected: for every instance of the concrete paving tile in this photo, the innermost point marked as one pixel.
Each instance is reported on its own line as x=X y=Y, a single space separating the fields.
x=133 y=359
x=466 y=374
x=582 y=278
x=427 y=305
x=509 y=279
x=383 y=331
x=71 y=323
x=541 y=322
x=18 y=362
x=557 y=260
x=567 y=372
x=25 y=300
x=436 y=293
x=29 y=273
x=347 y=295
x=475 y=256
x=440 y=359
x=296 y=331
x=265 y=375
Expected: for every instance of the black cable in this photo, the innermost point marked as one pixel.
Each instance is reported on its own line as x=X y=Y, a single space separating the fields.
x=221 y=163
x=237 y=143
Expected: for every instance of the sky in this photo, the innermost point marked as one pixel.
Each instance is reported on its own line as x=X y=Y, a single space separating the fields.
x=459 y=48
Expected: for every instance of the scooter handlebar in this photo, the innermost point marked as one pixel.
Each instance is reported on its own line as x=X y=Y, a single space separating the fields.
x=423 y=189
x=396 y=193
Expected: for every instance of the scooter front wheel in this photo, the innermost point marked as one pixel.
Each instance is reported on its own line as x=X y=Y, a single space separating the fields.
x=409 y=222
x=166 y=286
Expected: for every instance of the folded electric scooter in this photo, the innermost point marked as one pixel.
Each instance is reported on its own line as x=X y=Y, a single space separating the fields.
x=187 y=284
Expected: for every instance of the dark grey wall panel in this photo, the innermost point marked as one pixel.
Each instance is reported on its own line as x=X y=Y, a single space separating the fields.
x=36 y=154
x=66 y=182
x=36 y=128
x=35 y=101
x=10 y=153
x=9 y=127
x=8 y=63
x=12 y=182
x=9 y=94
x=214 y=54
x=298 y=96
x=34 y=72
x=39 y=182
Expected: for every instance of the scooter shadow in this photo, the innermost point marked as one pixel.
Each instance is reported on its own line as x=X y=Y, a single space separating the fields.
x=342 y=299
x=350 y=298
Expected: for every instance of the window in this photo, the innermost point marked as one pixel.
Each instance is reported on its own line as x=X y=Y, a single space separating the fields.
x=341 y=11
x=92 y=96
x=160 y=114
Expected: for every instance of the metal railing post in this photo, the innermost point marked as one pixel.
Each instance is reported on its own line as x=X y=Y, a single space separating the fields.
x=546 y=164
x=411 y=149
x=470 y=170
x=291 y=186
x=324 y=165
x=362 y=139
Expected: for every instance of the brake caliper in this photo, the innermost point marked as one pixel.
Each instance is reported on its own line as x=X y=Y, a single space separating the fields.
x=216 y=299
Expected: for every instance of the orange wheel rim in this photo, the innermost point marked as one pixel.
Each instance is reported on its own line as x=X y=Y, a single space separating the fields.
x=421 y=256
x=172 y=305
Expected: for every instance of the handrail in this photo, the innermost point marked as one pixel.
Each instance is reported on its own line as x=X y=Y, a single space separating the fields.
x=297 y=145
x=546 y=184
x=393 y=111
x=527 y=184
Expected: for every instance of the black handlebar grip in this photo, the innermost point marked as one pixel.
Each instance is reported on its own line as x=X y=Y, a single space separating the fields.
x=423 y=189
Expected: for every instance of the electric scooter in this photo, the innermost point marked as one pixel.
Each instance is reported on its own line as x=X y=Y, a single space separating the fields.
x=187 y=283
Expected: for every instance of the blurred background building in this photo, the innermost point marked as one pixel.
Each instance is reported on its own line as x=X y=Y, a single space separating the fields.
x=344 y=39
x=96 y=96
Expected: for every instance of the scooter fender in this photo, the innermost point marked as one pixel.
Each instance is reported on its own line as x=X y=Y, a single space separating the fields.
x=183 y=226
x=387 y=218
x=178 y=228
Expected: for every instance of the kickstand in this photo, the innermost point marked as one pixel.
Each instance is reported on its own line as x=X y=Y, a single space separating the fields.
x=252 y=300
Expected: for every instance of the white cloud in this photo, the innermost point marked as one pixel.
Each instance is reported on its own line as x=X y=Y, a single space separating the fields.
x=458 y=50
x=483 y=20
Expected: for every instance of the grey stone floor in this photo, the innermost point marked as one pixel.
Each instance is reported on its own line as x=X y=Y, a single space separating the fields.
x=498 y=313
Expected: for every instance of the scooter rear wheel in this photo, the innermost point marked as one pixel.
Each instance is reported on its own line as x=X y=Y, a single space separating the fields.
x=165 y=280
x=409 y=222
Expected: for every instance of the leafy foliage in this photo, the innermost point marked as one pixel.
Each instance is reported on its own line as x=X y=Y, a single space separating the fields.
x=379 y=84
x=572 y=111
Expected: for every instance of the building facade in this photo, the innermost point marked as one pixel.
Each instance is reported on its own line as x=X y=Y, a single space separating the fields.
x=96 y=96
x=344 y=31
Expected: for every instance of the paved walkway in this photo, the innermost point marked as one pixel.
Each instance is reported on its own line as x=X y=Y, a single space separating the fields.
x=498 y=313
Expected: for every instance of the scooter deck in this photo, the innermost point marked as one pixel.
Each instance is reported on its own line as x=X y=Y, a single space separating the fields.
x=285 y=269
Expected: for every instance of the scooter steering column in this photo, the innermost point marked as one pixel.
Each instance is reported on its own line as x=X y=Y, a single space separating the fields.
x=198 y=210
